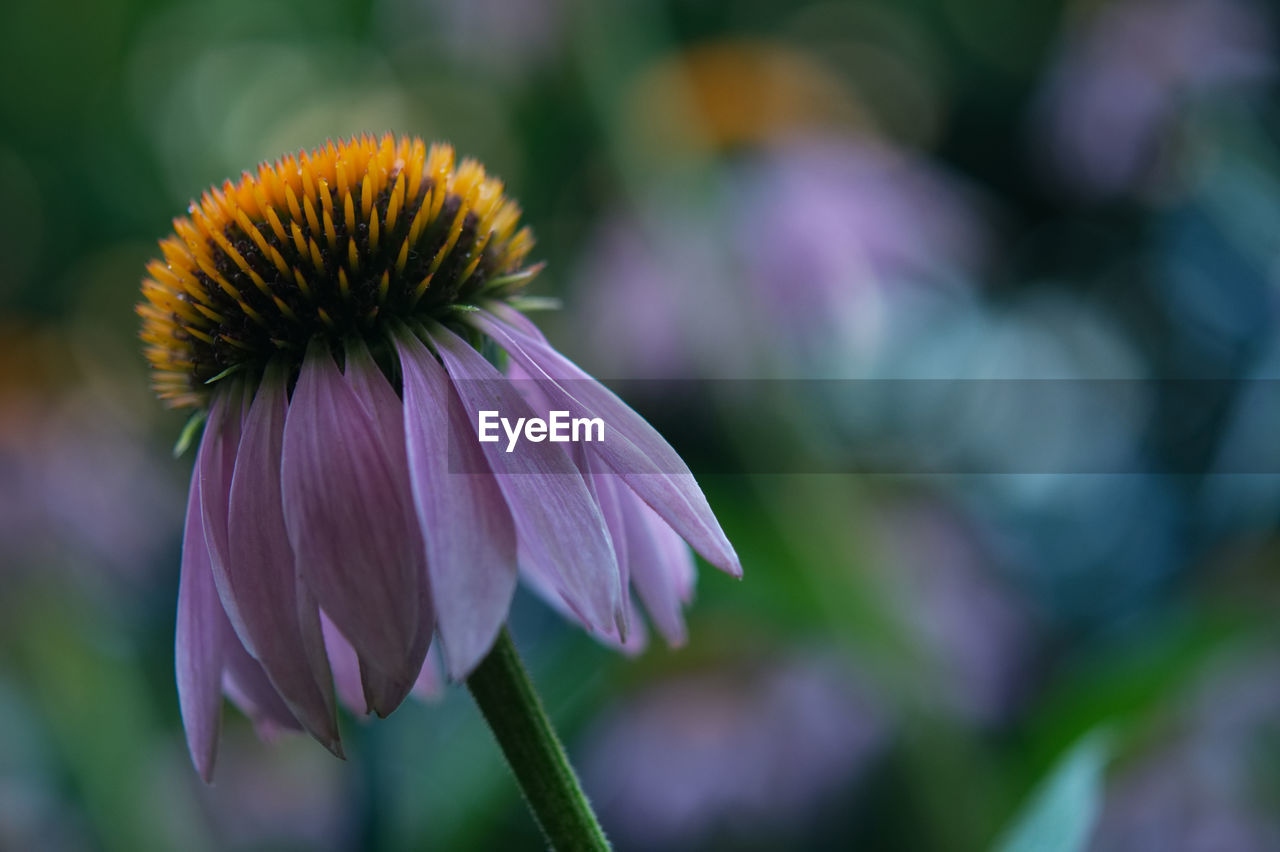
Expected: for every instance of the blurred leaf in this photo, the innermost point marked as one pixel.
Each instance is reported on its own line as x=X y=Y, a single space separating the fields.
x=1061 y=813
x=1127 y=675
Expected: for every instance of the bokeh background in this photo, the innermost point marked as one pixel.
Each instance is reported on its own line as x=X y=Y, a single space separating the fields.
x=866 y=192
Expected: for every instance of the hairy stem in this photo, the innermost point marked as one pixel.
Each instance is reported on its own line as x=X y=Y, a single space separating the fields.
x=501 y=687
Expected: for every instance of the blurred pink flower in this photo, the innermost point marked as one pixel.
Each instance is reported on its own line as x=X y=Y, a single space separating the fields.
x=836 y=240
x=977 y=631
x=113 y=526
x=1207 y=783
x=811 y=252
x=1108 y=104
x=644 y=289
x=737 y=751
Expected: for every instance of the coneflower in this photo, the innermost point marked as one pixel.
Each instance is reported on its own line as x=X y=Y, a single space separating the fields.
x=329 y=314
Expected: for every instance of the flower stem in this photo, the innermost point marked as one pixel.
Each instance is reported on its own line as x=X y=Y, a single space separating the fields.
x=501 y=687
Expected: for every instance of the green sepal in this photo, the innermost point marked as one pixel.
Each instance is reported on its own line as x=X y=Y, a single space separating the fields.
x=525 y=304
x=234 y=368
x=518 y=279
x=188 y=435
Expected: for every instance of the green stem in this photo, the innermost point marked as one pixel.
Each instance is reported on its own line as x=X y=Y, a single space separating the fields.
x=501 y=687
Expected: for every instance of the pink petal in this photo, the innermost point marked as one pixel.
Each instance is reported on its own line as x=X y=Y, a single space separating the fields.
x=631 y=447
x=279 y=623
x=202 y=627
x=346 y=668
x=544 y=587
x=215 y=466
x=349 y=517
x=558 y=524
x=248 y=686
x=386 y=687
x=530 y=390
x=517 y=321
x=637 y=637
x=675 y=556
x=603 y=492
x=430 y=683
x=469 y=533
x=608 y=494
x=661 y=568
x=384 y=691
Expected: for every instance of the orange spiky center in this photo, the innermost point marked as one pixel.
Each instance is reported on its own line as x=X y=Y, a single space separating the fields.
x=333 y=243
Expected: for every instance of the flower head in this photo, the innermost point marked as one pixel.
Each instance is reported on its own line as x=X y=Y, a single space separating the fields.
x=328 y=244
x=327 y=313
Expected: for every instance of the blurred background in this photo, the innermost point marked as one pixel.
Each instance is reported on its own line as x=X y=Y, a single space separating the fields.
x=869 y=193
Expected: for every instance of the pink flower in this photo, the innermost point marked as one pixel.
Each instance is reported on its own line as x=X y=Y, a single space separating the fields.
x=343 y=511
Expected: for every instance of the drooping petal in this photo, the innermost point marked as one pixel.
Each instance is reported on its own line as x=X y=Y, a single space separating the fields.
x=470 y=536
x=675 y=556
x=609 y=494
x=661 y=568
x=544 y=587
x=215 y=465
x=385 y=687
x=637 y=636
x=384 y=691
x=346 y=668
x=201 y=629
x=430 y=683
x=352 y=530
x=604 y=488
x=279 y=624
x=249 y=688
x=632 y=447
x=603 y=491
x=558 y=524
